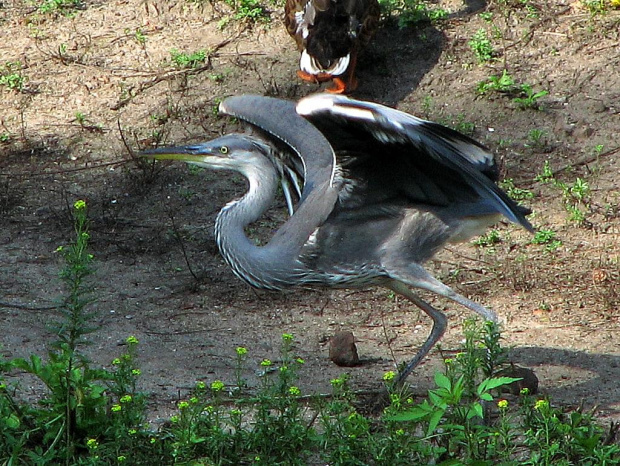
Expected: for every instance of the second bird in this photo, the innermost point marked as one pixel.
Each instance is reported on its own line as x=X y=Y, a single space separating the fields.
x=329 y=35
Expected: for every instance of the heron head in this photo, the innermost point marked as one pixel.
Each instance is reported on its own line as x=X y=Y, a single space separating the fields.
x=231 y=152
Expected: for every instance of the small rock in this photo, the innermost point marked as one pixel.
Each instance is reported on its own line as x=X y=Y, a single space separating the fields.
x=342 y=350
x=528 y=379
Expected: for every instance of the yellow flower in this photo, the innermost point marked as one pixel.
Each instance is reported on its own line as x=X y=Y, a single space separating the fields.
x=541 y=404
x=79 y=205
x=265 y=363
x=287 y=337
x=131 y=340
x=183 y=404
x=200 y=385
x=126 y=399
x=295 y=391
x=92 y=444
x=502 y=404
x=116 y=408
x=389 y=376
x=136 y=372
x=241 y=351
x=217 y=386
x=337 y=382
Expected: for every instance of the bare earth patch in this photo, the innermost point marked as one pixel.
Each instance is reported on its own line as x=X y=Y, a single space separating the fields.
x=101 y=83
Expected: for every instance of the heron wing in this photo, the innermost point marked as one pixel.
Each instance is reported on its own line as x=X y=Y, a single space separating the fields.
x=280 y=121
x=403 y=157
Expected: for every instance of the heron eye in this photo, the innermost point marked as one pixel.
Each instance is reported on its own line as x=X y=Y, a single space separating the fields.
x=224 y=150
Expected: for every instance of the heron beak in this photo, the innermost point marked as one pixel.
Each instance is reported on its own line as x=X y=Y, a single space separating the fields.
x=196 y=153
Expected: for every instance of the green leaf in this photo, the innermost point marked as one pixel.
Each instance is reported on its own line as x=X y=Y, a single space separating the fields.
x=443 y=381
x=434 y=421
x=476 y=410
x=490 y=384
x=437 y=399
x=11 y=421
x=415 y=414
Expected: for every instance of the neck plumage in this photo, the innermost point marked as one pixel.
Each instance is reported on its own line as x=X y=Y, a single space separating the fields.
x=277 y=264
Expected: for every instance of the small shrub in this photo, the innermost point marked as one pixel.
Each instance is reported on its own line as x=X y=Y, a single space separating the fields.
x=185 y=60
x=481 y=46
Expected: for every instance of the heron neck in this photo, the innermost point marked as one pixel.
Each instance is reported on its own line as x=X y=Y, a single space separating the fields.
x=247 y=260
x=277 y=264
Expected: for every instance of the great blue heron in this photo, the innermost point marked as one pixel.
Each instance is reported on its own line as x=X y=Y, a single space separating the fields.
x=380 y=192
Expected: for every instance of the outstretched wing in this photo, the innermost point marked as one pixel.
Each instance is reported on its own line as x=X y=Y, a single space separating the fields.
x=280 y=121
x=400 y=155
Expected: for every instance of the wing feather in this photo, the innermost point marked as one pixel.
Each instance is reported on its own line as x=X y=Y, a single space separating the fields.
x=425 y=161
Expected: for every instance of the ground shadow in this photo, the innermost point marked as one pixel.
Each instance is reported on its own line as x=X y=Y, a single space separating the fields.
x=567 y=375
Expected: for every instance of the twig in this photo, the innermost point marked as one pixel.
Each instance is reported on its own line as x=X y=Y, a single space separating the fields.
x=177 y=235
x=28 y=308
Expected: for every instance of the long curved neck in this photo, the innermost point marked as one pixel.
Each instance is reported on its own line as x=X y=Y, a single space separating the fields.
x=274 y=265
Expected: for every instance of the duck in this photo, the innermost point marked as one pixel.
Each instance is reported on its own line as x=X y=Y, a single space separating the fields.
x=329 y=35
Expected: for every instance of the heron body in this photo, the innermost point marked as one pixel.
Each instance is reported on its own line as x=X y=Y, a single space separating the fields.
x=379 y=193
x=329 y=35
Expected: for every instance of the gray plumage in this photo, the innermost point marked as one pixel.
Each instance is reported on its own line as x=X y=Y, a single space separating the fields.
x=380 y=192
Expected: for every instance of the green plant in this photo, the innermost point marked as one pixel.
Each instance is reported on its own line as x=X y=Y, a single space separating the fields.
x=504 y=83
x=576 y=196
x=598 y=150
x=481 y=46
x=546 y=175
x=80 y=118
x=11 y=76
x=596 y=7
x=459 y=123
x=65 y=7
x=410 y=12
x=489 y=239
x=185 y=60
x=140 y=36
x=547 y=238
x=516 y=193
x=75 y=397
x=249 y=10
x=536 y=137
x=529 y=98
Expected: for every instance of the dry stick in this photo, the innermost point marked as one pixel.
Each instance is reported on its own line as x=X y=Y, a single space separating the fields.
x=177 y=235
x=28 y=308
x=584 y=161
x=171 y=74
x=67 y=170
x=388 y=341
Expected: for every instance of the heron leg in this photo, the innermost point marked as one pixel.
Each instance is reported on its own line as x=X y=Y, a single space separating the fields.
x=440 y=323
x=418 y=277
x=415 y=275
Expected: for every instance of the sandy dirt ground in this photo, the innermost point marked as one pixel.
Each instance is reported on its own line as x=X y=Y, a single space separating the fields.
x=100 y=84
